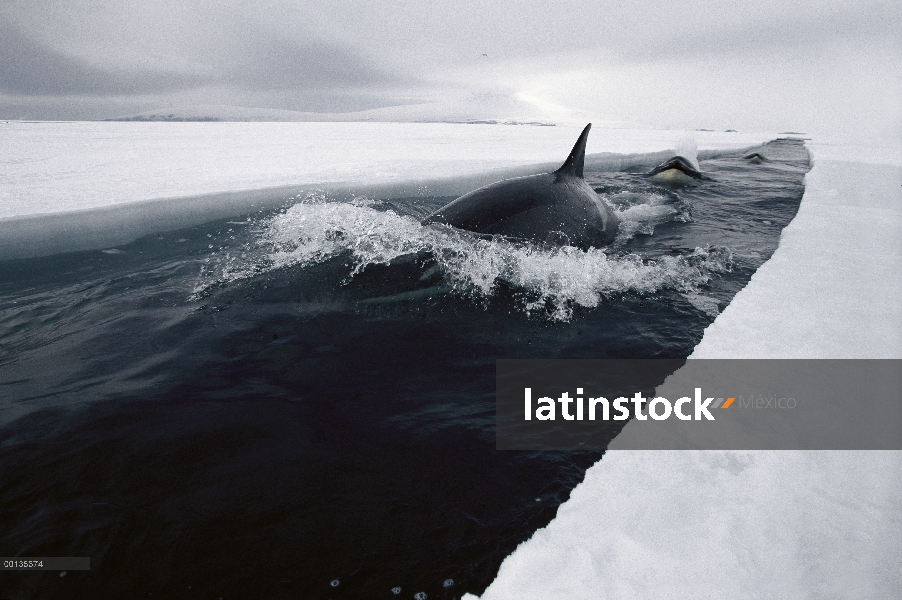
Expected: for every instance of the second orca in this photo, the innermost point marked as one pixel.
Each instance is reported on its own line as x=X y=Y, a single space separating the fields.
x=675 y=171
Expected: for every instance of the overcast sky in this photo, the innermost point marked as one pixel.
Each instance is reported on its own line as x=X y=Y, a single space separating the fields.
x=791 y=65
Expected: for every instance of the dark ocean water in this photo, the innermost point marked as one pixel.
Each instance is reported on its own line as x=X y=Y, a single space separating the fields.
x=300 y=404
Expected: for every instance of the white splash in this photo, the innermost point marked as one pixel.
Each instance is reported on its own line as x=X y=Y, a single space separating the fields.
x=548 y=280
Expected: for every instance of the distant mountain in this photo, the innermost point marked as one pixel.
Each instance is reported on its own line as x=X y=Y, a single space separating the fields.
x=217 y=112
x=477 y=111
x=162 y=117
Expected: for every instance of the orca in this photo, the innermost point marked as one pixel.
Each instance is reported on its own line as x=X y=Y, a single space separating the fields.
x=755 y=158
x=674 y=171
x=555 y=208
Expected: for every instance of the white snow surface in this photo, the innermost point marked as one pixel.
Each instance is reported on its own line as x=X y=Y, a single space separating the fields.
x=62 y=167
x=757 y=524
x=832 y=289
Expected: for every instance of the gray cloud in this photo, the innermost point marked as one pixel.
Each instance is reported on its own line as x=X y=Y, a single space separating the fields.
x=792 y=34
x=29 y=68
x=240 y=61
x=262 y=61
x=436 y=34
x=74 y=58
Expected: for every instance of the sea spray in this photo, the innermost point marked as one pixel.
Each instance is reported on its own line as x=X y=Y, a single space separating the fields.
x=548 y=280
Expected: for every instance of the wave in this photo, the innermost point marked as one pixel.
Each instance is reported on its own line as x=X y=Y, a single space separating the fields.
x=551 y=281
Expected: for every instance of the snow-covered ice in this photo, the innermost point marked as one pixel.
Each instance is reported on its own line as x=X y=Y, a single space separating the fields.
x=832 y=288
x=720 y=525
x=62 y=167
x=83 y=186
x=757 y=524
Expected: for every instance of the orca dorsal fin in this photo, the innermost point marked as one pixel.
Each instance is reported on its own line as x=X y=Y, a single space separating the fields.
x=574 y=163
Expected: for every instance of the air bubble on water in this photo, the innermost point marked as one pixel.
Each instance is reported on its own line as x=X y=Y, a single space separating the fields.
x=396 y=590
x=334 y=583
x=448 y=583
x=420 y=596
